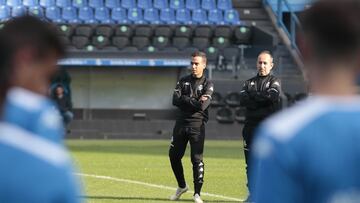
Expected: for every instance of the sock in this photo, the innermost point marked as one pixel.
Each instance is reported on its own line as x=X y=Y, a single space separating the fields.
x=197 y=188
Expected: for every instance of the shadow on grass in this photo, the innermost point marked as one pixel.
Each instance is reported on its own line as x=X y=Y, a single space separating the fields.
x=144 y=199
x=224 y=150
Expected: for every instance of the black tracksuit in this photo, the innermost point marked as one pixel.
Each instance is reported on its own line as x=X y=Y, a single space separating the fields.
x=190 y=127
x=261 y=97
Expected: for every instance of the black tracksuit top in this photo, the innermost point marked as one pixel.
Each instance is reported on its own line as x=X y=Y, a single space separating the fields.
x=261 y=97
x=186 y=97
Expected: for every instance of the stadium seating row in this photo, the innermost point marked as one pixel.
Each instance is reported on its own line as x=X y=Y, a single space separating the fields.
x=144 y=4
x=209 y=38
x=232 y=99
x=230 y=110
x=124 y=16
x=124 y=12
x=227 y=115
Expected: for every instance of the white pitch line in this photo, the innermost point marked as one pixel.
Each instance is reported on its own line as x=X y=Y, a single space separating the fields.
x=153 y=185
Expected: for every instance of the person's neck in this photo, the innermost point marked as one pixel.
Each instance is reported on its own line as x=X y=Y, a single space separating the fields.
x=30 y=85
x=18 y=90
x=263 y=75
x=334 y=82
x=198 y=76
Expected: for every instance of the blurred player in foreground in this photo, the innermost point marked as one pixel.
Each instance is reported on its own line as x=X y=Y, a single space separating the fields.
x=33 y=53
x=311 y=152
x=35 y=166
x=192 y=96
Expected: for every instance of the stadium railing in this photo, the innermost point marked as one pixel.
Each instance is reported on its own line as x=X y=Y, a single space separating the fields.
x=295 y=26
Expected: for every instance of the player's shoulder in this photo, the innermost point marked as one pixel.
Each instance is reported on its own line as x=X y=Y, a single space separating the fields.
x=25 y=99
x=208 y=82
x=185 y=78
x=34 y=107
x=285 y=125
x=29 y=101
x=274 y=79
x=33 y=146
x=251 y=79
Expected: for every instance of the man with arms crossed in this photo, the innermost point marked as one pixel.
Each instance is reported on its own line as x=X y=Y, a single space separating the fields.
x=311 y=152
x=192 y=96
x=261 y=97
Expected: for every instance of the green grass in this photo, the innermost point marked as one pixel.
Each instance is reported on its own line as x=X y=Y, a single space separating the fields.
x=147 y=161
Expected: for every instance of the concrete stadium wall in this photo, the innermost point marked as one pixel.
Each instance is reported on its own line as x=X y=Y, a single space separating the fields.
x=122 y=88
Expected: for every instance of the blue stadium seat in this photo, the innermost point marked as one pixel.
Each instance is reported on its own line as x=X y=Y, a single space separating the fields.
x=69 y=14
x=18 y=11
x=199 y=16
x=80 y=3
x=208 y=4
x=86 y=15
x=183 y=16
x=30 y=3
x=231 y=17
x=152 y=15
x=177 y=4
x=47 y=3
x=161 y=4
x=63 y=3
x=102 y=14
x=112 y=3
x=14 y=3
x=119 y=15
x=216 y=17
x=192 y=4
x=144 y=4
x=128 y=4
x=135 y=15
x=224 y=4
x=53 y=13
x=36 y=11
x=96 y=3
x=4 y=13
x=168 y=16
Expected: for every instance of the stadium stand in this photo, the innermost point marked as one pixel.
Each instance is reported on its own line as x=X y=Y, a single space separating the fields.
x=225 y=115
x=217 y=100
x=240 y=114
x=188 y=12
x=233 y=99
x=161 y=33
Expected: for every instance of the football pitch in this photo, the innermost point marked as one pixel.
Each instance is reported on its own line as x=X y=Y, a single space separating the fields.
x=137 y=171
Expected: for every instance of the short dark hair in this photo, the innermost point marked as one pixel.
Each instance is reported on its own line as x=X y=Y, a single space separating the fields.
x=21 y=32
x=333 y=29
x=29 y=31
x=59 y=86
x=4 y=73
x=199 y=54
x=267 y=52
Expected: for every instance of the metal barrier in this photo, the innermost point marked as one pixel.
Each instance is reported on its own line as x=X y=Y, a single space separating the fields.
x=295 y=25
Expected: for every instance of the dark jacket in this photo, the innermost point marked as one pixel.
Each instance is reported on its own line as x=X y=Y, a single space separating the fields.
x=261 y=97
x=64 y=104
x=187 y=96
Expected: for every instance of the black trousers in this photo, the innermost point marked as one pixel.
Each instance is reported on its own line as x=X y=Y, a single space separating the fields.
x=181 y=136
x=248 y=135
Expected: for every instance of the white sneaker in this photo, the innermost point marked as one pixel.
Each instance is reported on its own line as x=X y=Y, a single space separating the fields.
x=178 y=193
x=197 y=198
